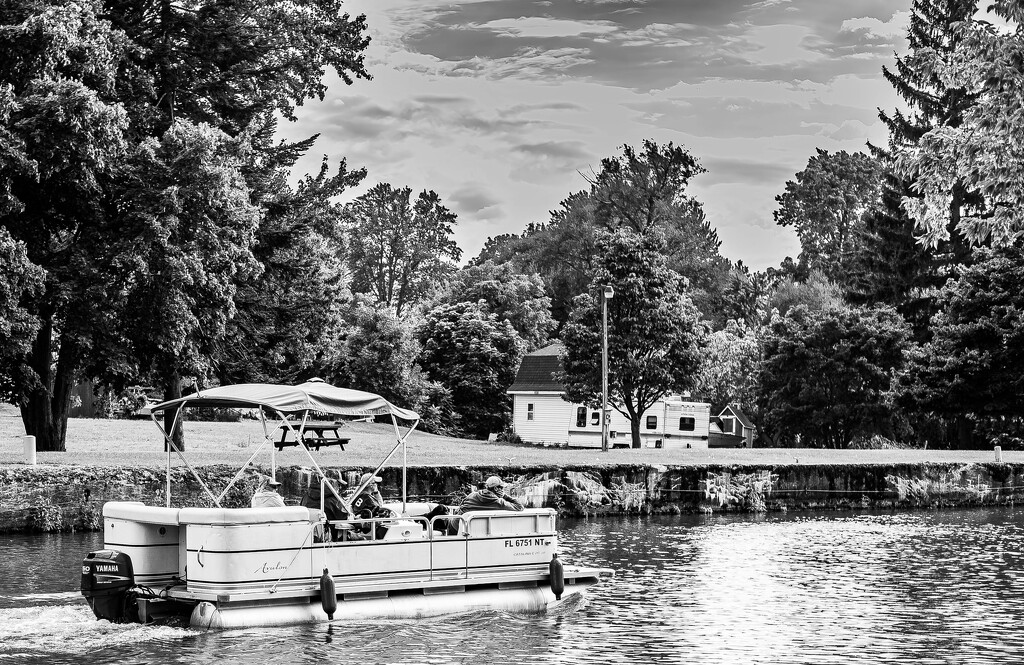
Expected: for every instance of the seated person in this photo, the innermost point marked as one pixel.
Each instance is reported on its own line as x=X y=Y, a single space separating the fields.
x=369 y=498
x=333 y=509
x=369 y=504
x=266 y=496
x=491 y=497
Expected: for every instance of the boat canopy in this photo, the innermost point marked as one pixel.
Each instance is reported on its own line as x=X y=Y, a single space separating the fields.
x=311 y=396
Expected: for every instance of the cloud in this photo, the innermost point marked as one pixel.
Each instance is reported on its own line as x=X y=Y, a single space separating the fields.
x=545 y=28
x=498 y=105
x=895 y=27
x=475 y=200
x=734 y=170
x=538 y=162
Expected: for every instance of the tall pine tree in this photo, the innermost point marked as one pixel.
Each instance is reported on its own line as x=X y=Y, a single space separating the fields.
x=893 y=268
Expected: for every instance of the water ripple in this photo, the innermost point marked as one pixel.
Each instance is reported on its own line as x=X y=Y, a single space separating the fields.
x=929 y=588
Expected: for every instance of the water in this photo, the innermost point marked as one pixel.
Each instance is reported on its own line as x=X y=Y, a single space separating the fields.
x=812 y=589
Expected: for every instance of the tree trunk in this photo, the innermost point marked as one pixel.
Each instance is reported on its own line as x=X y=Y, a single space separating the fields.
x=44 y=410
x=964 y=433
x=172 y=390
x=634 y=430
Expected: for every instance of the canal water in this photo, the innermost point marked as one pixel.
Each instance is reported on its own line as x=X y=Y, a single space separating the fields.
x=928 y=587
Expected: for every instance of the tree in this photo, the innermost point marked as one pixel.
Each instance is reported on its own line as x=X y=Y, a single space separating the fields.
x=824 y=206
x=826 y=375
x=64 y=135
x=655 y=334
x=983 y=153
x=18 y=327
x=745 y=297
x=815 y=293
x=378 y=354
x=891 y=266
x=227 y=62
x=399 y=251
x=969 y=373
x=643 y=190
x=475 y=357
x=93 y=96
x=193 y=207
x=731 y=359
x=509 y=295
x=290 y=313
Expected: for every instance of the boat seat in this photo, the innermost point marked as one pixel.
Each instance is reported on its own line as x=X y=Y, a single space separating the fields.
x=228 y=516
x=136 y=511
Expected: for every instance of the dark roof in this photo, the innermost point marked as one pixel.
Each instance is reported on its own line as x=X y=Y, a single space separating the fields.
x=536 y=370
x=738 y=412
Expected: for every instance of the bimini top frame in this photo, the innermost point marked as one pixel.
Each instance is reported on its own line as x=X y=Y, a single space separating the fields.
x=314 y=396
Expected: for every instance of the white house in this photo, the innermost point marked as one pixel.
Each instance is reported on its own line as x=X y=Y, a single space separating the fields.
x=541 y=416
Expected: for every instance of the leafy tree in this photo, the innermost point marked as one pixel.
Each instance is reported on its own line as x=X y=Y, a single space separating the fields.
x=982 y=154
x=815 y=293
x=400 y=251
x=655 y=334
x=475 y=357
x=289 y=313
x=18 y=327
x=509 y=295
x=378 y=353
x=969 y=373
x=746 y=296
x=95 y=95
x=731 y=360
x=63 y=137
x=824 y=206
x=826 y=375
x=692 y=249
x=891 y=266
x=643 y=190
x=227 y=62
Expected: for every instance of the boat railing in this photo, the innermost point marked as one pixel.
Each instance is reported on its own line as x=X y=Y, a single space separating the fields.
x=482 y=523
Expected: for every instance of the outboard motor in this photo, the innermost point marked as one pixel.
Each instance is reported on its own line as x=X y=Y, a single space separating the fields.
x=107 y=584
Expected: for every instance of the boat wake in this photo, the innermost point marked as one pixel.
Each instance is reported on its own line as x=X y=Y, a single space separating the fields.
x=68 y=630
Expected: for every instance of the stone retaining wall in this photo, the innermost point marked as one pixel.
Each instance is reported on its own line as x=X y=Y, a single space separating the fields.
x=70 y=498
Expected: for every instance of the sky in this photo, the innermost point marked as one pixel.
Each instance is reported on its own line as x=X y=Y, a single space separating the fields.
x=503 y=107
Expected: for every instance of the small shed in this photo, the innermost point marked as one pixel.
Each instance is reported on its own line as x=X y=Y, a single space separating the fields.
x=736 y=423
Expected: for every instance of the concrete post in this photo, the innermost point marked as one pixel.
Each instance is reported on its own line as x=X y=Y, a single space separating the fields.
x=999 y=454
x=30 y=450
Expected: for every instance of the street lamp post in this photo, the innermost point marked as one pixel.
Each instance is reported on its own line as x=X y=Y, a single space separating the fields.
x=606 y=294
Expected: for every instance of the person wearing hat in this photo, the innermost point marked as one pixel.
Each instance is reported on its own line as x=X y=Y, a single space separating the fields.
x=332 y=508
x=369 y=497
x=491 y=497
x=267 y=497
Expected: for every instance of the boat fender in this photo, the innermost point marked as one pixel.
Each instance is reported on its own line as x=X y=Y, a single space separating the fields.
x=328 y=596
x=557 y=577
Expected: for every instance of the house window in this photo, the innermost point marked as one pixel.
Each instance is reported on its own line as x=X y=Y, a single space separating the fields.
x=595 y=418
x=652 y=422
x=729 y=425
x=687 y=424
x=529 y=411
x=581 y=416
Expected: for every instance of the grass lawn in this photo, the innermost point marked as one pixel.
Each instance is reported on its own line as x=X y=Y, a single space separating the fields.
x=138 y=443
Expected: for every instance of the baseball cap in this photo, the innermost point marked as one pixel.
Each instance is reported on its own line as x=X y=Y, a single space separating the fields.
x=367 y=476
x=273 y=483
x=494 y=481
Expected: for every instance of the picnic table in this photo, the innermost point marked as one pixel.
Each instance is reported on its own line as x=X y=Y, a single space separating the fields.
x=315 y=435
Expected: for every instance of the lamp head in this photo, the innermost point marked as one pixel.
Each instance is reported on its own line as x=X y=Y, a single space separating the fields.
x=609 y=292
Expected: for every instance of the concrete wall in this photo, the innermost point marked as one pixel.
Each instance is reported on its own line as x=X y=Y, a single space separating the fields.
x=69 y=498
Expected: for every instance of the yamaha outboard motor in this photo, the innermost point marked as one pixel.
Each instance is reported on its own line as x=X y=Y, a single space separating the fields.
x=107 y=582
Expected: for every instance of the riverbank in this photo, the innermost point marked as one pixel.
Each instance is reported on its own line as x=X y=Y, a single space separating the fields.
x=62 y=498
x=124 y=461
